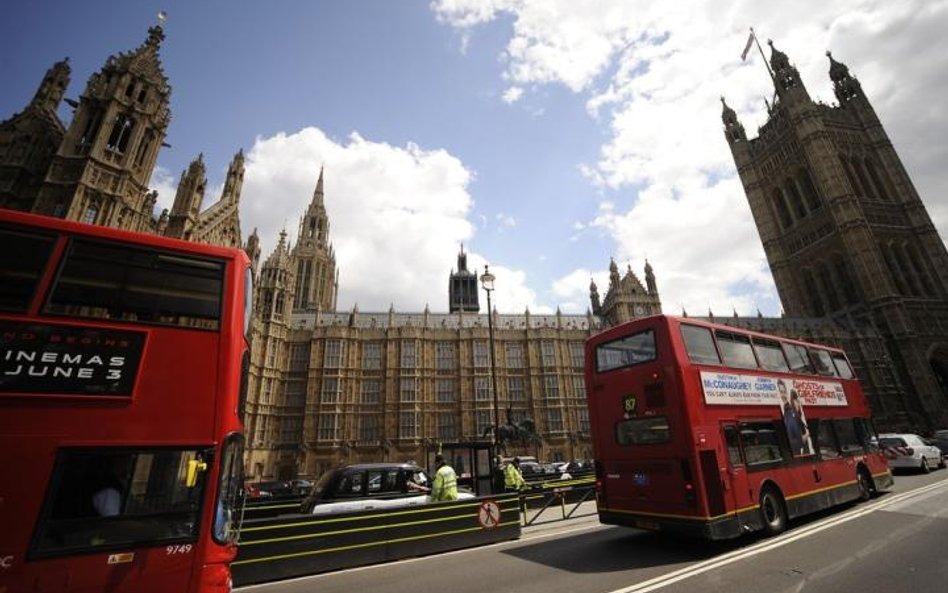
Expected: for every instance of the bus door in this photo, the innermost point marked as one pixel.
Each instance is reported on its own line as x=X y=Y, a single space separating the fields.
x=738 y=491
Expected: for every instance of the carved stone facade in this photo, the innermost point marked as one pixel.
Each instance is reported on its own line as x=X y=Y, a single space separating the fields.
x=331 y=387
x=98 y=169
x=849 y=242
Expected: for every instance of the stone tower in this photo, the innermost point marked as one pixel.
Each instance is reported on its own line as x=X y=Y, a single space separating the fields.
x=316 y=282
x=626 y=298
x=462 y=287
x=845 y=232
x=100 y=172
x=187 y=200
x=30 y=139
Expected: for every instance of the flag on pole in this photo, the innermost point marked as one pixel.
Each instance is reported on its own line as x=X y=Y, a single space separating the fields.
x=747 y=47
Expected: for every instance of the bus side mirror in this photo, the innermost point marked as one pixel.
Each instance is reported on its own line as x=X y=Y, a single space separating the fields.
x=195 y=466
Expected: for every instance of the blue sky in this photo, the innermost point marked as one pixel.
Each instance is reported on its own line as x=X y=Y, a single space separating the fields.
x=547 y=136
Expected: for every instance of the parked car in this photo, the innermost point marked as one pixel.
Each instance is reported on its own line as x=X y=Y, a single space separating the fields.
x=369 y=486
x=910 y=451
x=301 y=487
x=940 y=440
x=270 y=489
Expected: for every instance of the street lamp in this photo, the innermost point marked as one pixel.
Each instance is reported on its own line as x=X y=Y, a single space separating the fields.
x=487 y=282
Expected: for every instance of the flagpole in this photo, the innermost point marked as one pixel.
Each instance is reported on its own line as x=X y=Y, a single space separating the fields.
x=761 y=50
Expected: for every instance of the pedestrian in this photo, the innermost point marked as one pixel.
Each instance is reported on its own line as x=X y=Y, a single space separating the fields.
x=513 y=479
x=444 y=486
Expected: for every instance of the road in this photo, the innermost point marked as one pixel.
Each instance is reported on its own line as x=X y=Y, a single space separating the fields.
x=893 y=544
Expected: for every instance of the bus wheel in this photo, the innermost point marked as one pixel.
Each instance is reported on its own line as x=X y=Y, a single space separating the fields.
x=772 y=511
x=865 y=484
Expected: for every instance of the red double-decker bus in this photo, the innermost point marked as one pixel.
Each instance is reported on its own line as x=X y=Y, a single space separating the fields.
x=714 y=431
x=123 y=361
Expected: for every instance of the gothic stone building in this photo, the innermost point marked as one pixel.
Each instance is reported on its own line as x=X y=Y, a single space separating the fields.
x=97 y=170
x=330 y=387
x=855 y=257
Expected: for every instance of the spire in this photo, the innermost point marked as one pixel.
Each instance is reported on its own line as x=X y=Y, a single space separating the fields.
x=53 y=87
x=786 y=76
x=594 y=297
x=650 y=279
x=235 y=178
x=318 y=194
x=778 y=59
x=845 y=85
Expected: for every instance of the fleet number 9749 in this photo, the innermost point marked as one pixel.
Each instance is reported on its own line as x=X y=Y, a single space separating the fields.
x=178 y=549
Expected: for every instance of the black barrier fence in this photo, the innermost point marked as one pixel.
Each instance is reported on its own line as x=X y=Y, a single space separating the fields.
x=264 y=508
x=296 y=545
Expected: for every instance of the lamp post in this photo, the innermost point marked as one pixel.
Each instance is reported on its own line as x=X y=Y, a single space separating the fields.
x=487 y=282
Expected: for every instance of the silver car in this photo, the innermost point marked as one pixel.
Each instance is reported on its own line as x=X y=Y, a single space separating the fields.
x=910 y=451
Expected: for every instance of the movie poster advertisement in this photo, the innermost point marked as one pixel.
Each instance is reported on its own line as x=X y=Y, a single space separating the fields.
x=792 y=395
x=40 y=358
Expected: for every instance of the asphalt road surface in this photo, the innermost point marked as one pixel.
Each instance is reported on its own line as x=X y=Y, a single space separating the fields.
x=896 y=543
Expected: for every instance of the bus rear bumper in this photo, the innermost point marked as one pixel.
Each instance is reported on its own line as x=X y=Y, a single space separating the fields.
x=727 y=527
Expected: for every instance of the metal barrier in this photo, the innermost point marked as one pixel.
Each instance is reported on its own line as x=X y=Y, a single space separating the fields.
x=564 y=492
x=295 y=545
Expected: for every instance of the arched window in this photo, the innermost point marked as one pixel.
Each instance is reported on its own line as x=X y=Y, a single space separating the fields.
x=898 y=280
x=92 y=212
x=829 y=288
x=920 y=265
x=853 y=182
x=812 y=294
x=790 y=187
x=867 y=189
x=846 y=280
x=812 y=196
x=121 y=133
x=780 y=205
x=877 y=180
x=912 y=279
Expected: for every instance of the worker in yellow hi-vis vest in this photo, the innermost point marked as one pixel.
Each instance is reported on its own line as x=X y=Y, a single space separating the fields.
x=513 y=479
x=444 y=486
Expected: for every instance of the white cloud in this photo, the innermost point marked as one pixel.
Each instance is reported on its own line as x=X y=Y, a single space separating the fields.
x=397 y=216
x=512 y=94
x=653 y=72
x=166 y=185
x=506 y=220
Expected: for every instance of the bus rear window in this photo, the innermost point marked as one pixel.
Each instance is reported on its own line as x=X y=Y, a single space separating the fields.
x=23 y=257
x=842 y=366
x=700 y=345
x=108 y=281
x=736 y=350
x=647 y=430
x=626 y=351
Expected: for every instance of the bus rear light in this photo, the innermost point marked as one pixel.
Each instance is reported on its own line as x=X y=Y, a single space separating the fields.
x=690 y=497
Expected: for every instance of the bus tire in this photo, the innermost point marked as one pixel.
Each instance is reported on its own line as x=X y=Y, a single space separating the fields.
x=864 y=482
x=773 y=513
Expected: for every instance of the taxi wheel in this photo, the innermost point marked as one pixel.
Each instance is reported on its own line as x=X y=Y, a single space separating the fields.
x=925 y=467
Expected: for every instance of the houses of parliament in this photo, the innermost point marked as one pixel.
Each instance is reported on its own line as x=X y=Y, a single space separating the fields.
x=856 y=259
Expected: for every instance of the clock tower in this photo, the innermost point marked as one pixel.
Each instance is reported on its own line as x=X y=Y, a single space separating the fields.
x=626 y=298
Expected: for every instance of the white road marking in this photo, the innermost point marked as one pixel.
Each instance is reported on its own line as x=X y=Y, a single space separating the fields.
x=776 y=542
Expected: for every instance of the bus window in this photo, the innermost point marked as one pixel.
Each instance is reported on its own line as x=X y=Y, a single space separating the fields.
x=112 y=281
x=118 y=497
x=826 y=439
x=643 y=431
x=770 y=355
x=842 y=366
x=626 y=351
x=796 y=355
x=822 y=361
x=761 y=443
x=736 y=350
x=700 y=344
x=733 y=445
x=848 y=439
x=23 y=257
